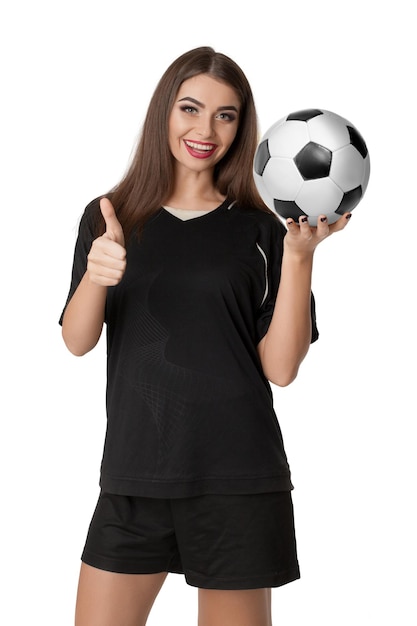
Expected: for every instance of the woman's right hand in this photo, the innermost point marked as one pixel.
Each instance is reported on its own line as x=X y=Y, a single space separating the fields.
x=106 y=261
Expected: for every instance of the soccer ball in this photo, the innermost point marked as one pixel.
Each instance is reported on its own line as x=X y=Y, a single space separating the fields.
x=312 y=162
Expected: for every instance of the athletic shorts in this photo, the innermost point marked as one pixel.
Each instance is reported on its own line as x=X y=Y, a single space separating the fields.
x=216 y=541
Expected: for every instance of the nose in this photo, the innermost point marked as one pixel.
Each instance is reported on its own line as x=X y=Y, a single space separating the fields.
x=205 y=126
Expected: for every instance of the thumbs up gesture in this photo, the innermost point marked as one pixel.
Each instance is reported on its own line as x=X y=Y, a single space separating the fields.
x=106 y=262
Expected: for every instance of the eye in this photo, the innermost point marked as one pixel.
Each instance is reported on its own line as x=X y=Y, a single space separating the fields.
x=188 y=108
x=227 y=116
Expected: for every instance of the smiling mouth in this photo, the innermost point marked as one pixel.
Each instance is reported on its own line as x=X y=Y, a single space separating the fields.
x=200 y=150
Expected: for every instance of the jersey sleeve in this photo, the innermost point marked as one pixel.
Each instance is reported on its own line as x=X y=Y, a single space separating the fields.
x=271 y=245
x=87 y=232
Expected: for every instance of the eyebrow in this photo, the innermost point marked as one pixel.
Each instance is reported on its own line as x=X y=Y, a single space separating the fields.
x=198 y=103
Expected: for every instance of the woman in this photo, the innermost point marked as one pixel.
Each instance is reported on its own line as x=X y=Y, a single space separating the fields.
x=206 y=296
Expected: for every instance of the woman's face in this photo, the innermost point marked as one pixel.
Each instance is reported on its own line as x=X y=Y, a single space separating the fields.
x=203 y=122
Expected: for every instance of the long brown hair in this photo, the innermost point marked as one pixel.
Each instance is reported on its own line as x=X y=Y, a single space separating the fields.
x=149 y=180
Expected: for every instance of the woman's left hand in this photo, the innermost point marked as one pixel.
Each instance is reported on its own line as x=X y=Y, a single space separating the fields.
x=302 y=239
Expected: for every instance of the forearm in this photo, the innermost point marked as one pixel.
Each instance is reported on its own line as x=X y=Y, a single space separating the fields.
x=289 y=335
x=84 y=317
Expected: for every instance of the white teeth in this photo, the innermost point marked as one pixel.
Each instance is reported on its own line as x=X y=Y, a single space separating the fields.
x=199 y=146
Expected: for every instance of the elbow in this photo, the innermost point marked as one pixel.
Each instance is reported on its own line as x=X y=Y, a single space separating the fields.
x=283 y=382
x=75 y=347
x=281 y=372
x=281 y=368
x=76 y=352
x=282 y=379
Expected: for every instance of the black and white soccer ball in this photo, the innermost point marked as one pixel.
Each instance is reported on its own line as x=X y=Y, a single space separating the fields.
x=312 y=162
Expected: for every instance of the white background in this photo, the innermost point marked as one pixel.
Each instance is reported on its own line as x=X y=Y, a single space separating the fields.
x=76 y=79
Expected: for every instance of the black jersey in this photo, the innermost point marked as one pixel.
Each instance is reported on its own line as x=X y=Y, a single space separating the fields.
x=189 y=410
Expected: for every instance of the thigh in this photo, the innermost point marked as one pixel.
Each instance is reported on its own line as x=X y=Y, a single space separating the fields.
x=237 y=542
x=107 y=598
x=132 y=535
x=234 y=608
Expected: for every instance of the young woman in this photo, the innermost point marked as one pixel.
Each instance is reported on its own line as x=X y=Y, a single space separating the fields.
x=206 y=296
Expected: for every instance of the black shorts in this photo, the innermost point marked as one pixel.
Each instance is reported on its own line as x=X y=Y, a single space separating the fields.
x=217 y=541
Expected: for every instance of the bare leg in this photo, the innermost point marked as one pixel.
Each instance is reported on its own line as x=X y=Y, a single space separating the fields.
x=108 y=599
x=250 y=607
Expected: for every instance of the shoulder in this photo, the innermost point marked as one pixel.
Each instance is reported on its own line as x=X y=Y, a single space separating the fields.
x=91 y=219
x=92 y=210
x=267 y=223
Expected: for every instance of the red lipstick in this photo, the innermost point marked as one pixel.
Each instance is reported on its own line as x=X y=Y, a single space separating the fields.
x=200 y=149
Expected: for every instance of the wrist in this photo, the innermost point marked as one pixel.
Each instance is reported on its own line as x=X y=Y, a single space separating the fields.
x=300 y=257
x=92 y=283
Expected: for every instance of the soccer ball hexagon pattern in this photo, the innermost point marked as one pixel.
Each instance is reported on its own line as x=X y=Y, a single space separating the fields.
x=312 y=162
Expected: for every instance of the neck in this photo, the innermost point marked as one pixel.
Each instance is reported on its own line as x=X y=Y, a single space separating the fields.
x=194 y=190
